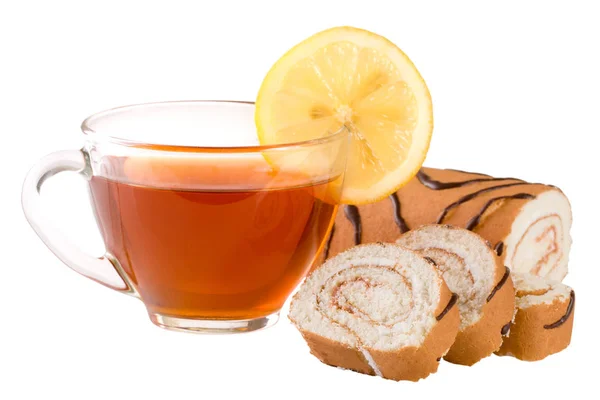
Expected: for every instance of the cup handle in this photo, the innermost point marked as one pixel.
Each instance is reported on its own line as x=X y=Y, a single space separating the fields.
x=101 y=269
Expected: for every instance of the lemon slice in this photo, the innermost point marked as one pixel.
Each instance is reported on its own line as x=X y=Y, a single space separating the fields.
x=354 y=78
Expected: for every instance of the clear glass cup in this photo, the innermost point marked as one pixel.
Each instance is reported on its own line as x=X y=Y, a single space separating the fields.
x=209 y=229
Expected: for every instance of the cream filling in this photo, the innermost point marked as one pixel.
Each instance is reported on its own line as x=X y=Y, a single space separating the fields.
x=539 y=241
x=376 y=297
x=550 y=290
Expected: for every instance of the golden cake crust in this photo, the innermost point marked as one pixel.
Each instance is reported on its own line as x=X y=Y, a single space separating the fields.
x=336 y=354
x=417 y=204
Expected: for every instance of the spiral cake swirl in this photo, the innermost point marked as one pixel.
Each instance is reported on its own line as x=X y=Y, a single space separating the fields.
x=378 y=309
x=486 y=296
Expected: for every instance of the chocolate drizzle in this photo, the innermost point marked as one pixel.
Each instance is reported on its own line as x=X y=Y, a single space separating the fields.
x=431 y=183
x=353 y=216
x=398 y=214
x=431 y=261
x=352 y=212
x=471 y=196
x=499 y=285
x=499 y=248
x=565 y=317
x=328 y=244
x=451 y=304
x=473 y=222
x=505 y=329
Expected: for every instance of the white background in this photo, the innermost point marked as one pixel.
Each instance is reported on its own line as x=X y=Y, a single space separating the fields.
x=515 y=88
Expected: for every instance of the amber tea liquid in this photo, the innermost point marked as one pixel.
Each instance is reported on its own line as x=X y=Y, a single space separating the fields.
x=204 y=250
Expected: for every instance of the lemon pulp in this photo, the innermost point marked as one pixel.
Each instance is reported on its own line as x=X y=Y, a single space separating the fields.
x=347 y=77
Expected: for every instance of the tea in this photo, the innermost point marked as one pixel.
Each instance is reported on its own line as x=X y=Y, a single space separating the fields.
x=209 y=251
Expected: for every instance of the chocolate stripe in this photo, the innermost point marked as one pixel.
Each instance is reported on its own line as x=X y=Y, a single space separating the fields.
x=473 y=222
x=473 y=195
x=329 y=240
x=353 y=216
x=499 y=248
x=431 y=261
x=433 y=184
x=499 y=285
x=565 y=317
x=451 y=304
x=505 y=329
x=398 y=214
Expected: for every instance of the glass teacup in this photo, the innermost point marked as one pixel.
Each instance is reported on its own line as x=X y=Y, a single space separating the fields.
x=209 y=229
